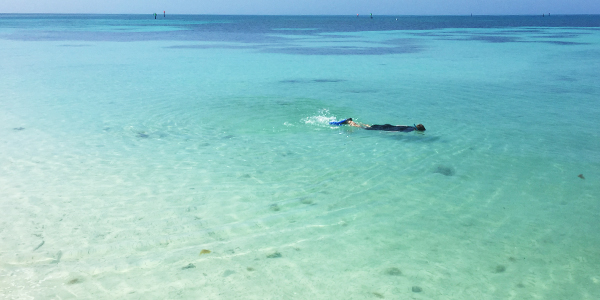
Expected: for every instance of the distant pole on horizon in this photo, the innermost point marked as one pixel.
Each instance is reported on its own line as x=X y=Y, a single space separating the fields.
x=164 y=14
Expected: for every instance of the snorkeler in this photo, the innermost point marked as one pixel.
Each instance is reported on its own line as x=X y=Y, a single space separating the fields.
x=385 y=127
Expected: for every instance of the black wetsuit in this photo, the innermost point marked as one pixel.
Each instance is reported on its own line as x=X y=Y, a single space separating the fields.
x=388 y=127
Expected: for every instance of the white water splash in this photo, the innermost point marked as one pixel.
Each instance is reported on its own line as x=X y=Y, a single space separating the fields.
x=322 y=118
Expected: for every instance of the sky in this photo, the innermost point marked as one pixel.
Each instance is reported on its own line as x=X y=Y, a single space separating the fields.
x=306 y=7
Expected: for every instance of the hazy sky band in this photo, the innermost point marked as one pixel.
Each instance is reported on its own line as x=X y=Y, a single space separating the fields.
x=308 y=7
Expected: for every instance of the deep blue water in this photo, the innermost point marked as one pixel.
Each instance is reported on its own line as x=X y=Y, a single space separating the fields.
x=255 y=29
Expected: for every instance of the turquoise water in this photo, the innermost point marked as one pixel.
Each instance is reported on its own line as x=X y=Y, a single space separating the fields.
x=130 y=144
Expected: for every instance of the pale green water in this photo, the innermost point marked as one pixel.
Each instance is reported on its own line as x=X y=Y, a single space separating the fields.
x=121 y=160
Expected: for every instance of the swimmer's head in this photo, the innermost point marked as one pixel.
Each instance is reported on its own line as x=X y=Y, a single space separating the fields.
x=420 y=127
x=347 y=121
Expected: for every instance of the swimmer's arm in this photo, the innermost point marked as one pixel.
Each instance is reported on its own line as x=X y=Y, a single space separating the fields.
x=359 y=125
x=354 y=124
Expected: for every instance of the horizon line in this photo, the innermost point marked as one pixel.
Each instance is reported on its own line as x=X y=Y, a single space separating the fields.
x=305 y=15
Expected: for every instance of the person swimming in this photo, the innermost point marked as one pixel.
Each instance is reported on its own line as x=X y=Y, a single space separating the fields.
x=385 y=127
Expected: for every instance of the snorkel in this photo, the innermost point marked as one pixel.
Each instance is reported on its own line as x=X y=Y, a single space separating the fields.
x=419 y=127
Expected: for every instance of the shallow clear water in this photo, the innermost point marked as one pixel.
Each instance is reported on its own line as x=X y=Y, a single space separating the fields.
x=130 y=144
